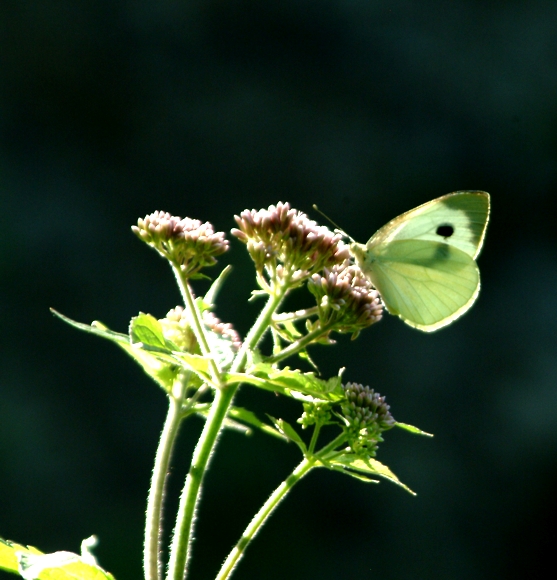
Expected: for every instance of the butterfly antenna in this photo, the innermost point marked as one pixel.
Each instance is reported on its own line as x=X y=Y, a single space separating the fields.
x=338 y=228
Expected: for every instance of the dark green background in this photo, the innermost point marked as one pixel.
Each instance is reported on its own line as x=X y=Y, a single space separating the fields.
x=110 y=110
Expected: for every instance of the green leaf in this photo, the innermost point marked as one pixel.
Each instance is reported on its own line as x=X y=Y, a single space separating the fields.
x=146 y=330
x=96 y=327
x=8 y=558
x=237 y=419
x=162 y=369
x=291 y=382
x=350 y=462
x=355 y=475
x=287 y=329
x=194 y=362
x=32 y=564
x=146 y=344
x=413 y=429
x=211 y=295
x=249 y=418
x=289 y=433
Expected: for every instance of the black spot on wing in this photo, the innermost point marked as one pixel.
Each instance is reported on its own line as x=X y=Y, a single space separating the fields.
x=445 y=230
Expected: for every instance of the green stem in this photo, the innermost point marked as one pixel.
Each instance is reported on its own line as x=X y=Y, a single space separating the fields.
x=261 y=517
x=181 y=541
x=300 y=344
x=297 y=315
x=151 y=549
x=179 y=551
x=328 y=452
x=314 y=437
x=196 y=323
x=257 y=331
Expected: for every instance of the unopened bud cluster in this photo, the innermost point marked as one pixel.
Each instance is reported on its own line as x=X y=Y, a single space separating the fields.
x=346 y=300
x=286 y=244
x=317 y=413
x=187 y=243
x=367 y=415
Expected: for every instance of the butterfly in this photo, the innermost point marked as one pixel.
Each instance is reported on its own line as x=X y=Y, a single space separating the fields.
x=423 y=261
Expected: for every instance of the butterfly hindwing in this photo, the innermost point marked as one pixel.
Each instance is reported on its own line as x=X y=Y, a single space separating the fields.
x=427 y=284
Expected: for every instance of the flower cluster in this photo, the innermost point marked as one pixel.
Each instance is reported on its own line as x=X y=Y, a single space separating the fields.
x=287 y=245
x=366 y=415
x=187 y=243
x=346 y=300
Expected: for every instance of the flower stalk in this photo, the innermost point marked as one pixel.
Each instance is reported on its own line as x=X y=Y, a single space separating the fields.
x=153 y=519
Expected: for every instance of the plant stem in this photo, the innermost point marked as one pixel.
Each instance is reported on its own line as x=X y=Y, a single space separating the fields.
x=181 y=541
x=196 y=323
x=300 y=344
x=257 y=331
x=179 y=551
x=298 y=315
x=261 y=517
x=151 y=549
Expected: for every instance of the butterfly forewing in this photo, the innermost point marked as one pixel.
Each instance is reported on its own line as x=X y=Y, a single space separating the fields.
x=458 y=219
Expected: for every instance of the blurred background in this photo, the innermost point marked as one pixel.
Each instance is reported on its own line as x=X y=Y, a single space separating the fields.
x=110 y=110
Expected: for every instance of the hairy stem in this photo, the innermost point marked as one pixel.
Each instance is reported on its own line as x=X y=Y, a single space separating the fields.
x=179 y=550
x=151 y=551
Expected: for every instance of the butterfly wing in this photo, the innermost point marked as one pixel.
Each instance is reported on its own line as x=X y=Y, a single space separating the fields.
x=422 y=262
x=427 y=284
x=462 y=214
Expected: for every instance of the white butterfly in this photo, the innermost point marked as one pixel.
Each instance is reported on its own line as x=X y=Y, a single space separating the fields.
x=423 y=261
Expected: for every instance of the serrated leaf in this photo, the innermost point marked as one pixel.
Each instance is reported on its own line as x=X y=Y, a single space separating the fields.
x=368 y=466
x=413 y=429
x=235 y=378
x=286 y=381
x=162 y=369
x=289 y=433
